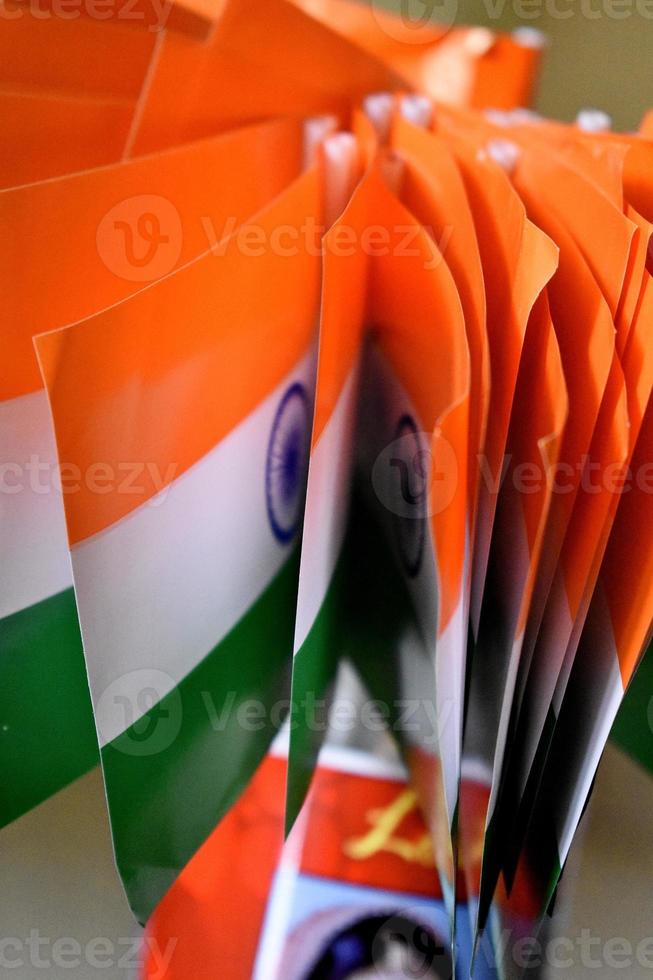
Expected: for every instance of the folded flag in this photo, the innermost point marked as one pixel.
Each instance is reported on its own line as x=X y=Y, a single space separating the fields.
x=313 y=370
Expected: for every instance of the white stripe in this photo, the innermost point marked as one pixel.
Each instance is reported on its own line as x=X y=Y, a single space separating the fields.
x=515 y=573
x=484 y=522
x=450 y=693
x=327 y=507
x=279 y=909
x=602 y=689
x=33 y=542
x=346 y=758
x=544 y=673
x=475 y=770
x=494 y=672
x=575 y=634
x=606 y=713
x=160 y=588
x=504 y=721
x=358 y=762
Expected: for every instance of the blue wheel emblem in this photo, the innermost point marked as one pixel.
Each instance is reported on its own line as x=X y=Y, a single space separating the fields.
x=410 y=520
x=287 y=463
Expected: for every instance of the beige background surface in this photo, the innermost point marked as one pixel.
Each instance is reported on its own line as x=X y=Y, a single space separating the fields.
x=59 y=880
x=603 y=62
x=607 y=888
x=599 y=51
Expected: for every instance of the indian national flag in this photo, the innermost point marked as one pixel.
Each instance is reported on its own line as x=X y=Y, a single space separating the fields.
x=183 y=416
x=65 y=255
x=391 y=334
x=46 y=725
x=616 y=632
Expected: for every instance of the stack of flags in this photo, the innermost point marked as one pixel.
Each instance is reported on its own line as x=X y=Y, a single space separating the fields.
x=326 y=446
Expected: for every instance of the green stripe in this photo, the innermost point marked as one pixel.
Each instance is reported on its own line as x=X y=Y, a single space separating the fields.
x=363 y=617
x=47 y=733
x=633 y=727
x=172 y=776
x=314 y=669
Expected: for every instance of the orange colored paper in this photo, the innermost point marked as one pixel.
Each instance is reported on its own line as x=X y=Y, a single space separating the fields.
x=250 y=69
x=78 y=244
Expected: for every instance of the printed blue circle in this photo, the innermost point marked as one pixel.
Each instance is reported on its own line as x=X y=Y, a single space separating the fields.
x=287 y=463
x=410 y=531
